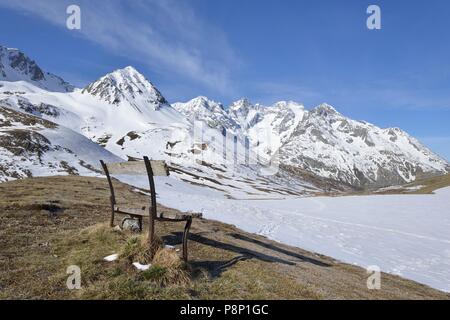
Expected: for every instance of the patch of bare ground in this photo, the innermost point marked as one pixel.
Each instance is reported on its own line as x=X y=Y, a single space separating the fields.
x=426 y=185
x=50 y=223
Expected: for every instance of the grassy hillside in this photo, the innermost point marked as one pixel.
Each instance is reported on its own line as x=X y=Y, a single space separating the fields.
x=420 y=186
x=50 y=223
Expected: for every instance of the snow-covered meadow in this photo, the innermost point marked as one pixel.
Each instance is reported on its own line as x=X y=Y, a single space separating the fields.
x=407 y=235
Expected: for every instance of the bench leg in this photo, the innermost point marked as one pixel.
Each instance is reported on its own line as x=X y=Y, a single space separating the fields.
x=185 y=239
x=140 y=224
x=111 y=223
x=151 y=230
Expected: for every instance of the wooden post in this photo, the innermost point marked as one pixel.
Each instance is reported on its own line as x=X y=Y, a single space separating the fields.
x=153 y=213
x=185 y=238
x=112 y=197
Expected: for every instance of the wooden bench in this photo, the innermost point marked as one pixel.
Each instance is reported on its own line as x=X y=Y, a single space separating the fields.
x=150 y=168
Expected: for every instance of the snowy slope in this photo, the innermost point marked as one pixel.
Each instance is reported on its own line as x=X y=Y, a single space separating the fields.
x=31 y=146
x=16 y=66
x=405 y=235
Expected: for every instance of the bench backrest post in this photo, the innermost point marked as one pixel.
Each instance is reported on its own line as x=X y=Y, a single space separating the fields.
x=153 y=209
x=108 y=177
x=112 y=196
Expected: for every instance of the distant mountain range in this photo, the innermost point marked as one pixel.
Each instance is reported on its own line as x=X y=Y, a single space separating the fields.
x=123 y=115
x=322 y=141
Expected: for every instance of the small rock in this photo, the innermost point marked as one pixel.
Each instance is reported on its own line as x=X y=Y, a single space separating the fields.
x=130 y=224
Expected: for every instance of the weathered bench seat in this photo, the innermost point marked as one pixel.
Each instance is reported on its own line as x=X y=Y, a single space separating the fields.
x=144 y=211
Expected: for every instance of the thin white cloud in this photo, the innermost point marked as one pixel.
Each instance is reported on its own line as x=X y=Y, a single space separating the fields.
x=167 y=35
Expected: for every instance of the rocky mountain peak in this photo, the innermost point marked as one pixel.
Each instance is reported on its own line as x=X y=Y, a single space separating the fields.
x=21 y=63
x=325 y=109
x=211 y=112
x=242 y=106
x=127 y=85
x=245 y=113
x=287 y=104
x=17 y=66
x=204 y=102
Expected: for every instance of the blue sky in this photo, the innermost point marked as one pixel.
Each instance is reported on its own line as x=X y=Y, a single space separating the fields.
x=307 y=51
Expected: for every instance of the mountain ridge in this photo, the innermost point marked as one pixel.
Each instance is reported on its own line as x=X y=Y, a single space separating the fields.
x=126 y=114
x=16 y=66
x=306 y=140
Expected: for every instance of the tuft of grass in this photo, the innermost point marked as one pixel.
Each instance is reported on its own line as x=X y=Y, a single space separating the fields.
x=137 y=249
x=168 y=268
x=154 y=273
x=168 y=258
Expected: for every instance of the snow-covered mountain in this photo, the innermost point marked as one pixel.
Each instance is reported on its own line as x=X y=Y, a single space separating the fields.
x=16 y=66
x=273 y=126
x=127 y=87
x=245 y=113
x=265 y=128
x=128 y=116
x=31 y=146
x=209 y=111
x=225 y=147
x=359 y=153
x=104 y=114
x=328 y=144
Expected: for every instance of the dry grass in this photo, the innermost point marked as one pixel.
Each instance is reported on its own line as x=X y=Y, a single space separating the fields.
x=138 y=249
x=168 y=269
x=50 y=223
x=426 y=186
x=431 y=184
